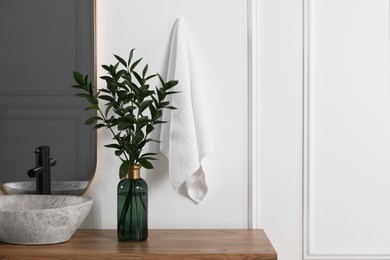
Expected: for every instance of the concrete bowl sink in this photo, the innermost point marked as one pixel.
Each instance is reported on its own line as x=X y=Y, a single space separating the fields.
x=41 y=219
x=57 y=187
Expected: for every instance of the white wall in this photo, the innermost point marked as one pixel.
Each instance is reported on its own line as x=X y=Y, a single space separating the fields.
x=280 y=115
x=218 y=30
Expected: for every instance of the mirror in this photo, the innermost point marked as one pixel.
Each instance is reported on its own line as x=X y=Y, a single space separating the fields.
x=42 y=43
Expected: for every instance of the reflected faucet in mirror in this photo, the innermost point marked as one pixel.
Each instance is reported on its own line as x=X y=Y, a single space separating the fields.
x=42 y=172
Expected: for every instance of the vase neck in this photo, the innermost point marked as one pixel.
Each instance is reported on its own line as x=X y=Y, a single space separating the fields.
x=134 y=172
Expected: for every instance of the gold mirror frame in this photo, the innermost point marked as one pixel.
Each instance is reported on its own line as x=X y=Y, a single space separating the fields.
x=94 y=133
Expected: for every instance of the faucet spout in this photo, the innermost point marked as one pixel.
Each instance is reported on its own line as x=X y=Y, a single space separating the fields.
x=42 y=170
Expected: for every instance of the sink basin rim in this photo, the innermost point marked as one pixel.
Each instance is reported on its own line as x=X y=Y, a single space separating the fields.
x=57 y=187
x=83 y=199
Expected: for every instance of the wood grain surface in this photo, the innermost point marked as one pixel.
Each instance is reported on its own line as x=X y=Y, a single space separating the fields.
x=161 y=244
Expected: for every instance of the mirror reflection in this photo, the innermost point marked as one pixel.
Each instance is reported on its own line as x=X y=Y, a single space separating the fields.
x=42 y=43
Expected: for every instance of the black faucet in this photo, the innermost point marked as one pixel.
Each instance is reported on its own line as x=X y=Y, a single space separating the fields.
x=41 y=172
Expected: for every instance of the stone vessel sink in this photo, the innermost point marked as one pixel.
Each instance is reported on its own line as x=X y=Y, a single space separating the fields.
x=41 y=219
x=57 y=187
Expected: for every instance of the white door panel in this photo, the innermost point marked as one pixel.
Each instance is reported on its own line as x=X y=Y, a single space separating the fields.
x=327 y=60
x=347 y=129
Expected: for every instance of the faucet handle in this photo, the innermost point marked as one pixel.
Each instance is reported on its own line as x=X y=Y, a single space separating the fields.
x=43 y=150
x=35 y=171
x=42 y=170
x=53 y=161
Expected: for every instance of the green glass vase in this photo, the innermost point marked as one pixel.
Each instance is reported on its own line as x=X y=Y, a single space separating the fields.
x=132 y=207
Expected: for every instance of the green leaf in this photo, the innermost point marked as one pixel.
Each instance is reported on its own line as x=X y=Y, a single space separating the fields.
x=130 y=56
x=139 y=135
x=149 y=129
x=154 y=100
x=123 y=124
x=106 y=67
x=135 y=64
x=141 y=122
x=104 y=90
x=107 y=78
x=108 y=108
x=163 y=94
x=157 y=115
x=130 y=108
x=84 y=95
x=130 y=118
x=116 y=146
x=122 y=61
x=152 y=110
x=108 y=98
x=99 y=126
x=92 y=120
x=126 y=122
x=150 y=77
x=124 y=169
x=159 y=95
x=135 y=89
x=146 y=164
x=90 y=87
x=148 y=154
x=144 y=105
x=172 y=92
x=115 y=67
x=92 y=100
x=93 y=106
x=148 y=158
x=170 y=84
x=164 y=104
x=145 y=71
x=152 y=140
x=159 y=122
x=128 y=149
x=77 y=86
x=161 y=79
x=112 y=121
x=138 y=77
x=79 y=78
x=118 y=152
x=122 y=94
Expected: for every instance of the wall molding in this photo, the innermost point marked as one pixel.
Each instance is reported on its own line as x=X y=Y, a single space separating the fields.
x=254 y=114
x=305 y=130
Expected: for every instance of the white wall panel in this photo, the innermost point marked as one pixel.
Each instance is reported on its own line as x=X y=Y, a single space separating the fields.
x=218 y=30
x=347 y=130
x=278 y=89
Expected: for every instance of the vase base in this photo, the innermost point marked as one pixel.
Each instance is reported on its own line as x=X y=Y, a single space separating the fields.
x=132 y=240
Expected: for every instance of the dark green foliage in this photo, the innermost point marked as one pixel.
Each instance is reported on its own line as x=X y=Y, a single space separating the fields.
x=132 y=108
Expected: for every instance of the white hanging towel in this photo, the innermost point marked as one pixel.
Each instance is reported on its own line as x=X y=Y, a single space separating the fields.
x=185 y=140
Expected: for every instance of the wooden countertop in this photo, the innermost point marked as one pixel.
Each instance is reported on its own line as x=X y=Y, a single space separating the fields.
x=161 y=244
